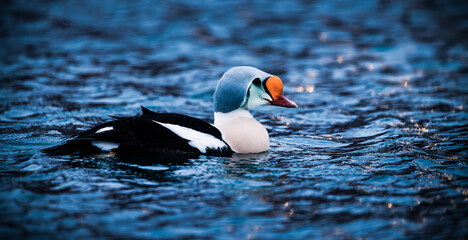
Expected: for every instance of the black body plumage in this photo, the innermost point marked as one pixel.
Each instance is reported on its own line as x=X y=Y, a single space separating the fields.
x=144 y=133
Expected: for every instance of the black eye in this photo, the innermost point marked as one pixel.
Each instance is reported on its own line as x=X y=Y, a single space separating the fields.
x=257 y=82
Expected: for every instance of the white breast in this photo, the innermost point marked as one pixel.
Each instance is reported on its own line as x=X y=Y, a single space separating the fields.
x=245 y=135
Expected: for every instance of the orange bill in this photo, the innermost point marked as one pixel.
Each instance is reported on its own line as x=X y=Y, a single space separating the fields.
x=274 y=86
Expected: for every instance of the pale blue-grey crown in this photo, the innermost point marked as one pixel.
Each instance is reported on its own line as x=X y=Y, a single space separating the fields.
x=232 y=87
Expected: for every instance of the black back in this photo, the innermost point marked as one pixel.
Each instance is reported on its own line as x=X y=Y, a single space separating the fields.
x=142 y=133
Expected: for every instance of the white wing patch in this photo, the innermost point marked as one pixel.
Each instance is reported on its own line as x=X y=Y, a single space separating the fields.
x=197 y=139
x=105 y=129
x=105 y=145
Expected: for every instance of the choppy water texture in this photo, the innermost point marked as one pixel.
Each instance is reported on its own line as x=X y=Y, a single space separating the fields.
x=376 y=150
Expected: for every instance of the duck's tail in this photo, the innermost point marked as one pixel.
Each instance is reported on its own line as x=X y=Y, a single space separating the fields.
x=72 y=147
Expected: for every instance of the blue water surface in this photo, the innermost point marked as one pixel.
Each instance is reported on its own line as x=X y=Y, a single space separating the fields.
x=377 y=149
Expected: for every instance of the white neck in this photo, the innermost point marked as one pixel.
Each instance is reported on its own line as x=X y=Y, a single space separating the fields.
x=223 y=118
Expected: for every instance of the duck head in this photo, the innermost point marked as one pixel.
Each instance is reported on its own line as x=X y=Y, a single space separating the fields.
x=247 y=88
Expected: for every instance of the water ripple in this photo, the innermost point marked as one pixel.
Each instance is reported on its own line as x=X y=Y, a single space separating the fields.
x=376 y=150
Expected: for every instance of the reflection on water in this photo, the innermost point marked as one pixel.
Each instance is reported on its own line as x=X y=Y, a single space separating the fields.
x=377 y=149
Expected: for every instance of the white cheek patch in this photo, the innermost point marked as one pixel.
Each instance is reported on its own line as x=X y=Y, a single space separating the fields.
x=105 y=129
x=256 y=97
x=199 y=140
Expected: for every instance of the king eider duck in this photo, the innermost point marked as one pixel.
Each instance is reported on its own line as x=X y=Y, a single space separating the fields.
x=239 y=90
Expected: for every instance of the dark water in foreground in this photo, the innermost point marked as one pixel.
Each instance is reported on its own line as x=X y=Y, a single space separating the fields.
x=376 y=150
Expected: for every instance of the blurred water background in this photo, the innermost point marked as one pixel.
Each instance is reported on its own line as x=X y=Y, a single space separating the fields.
x=376 y=150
